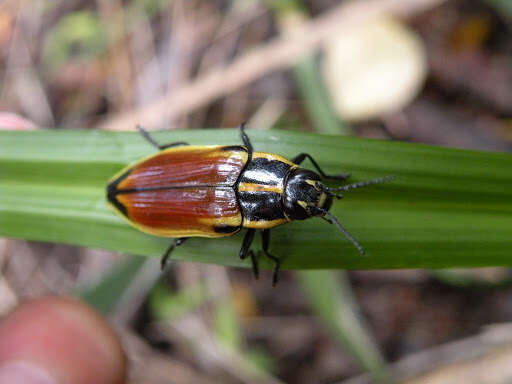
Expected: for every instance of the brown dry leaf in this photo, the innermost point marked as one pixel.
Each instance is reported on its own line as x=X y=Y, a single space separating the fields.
x=244 y=301
x=6 y=25
x=471 y=33
x=494 y=368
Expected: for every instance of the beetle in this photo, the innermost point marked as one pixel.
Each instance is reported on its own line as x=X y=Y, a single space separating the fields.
x=188 y=191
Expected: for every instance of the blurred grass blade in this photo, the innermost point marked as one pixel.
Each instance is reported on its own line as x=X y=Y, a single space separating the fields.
x=446 y=208
x=502 y=6
x=306 y=73
x=223 y=341
x=317 y=103
x=226 y=324
x=168 y=305
x=331 y=298
x=105 y=295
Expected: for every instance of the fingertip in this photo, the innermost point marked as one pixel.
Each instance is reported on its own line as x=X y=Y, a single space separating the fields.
x=63 y=337
x=19 y=372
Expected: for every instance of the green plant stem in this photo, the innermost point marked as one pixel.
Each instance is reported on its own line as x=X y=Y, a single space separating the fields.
x=317 y=103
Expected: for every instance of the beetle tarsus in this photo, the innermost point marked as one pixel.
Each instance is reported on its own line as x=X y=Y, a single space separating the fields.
x=246 y=140
x=277 y=268
x=255 y=267
x=340 y=177
x=245 y=251
x=176 y=144
x=303 y=156
x=167 y=254
x=145 y=134
x=265 y=240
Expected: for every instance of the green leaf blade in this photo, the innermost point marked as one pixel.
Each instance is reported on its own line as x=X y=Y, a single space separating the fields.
x=446 y=208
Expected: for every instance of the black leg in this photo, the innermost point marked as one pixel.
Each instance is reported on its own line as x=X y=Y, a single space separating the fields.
x=255 y=267
x=265 y=239
x=246 y=243
x=175 y=243
x=244 y=251
x=300 y=158
x=246 y=140
x=154 y=143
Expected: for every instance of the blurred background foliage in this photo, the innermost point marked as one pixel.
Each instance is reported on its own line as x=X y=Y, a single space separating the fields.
x=426 y=71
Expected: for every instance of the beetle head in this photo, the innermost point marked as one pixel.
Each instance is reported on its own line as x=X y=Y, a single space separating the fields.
x=304 y=193
x=305 y=196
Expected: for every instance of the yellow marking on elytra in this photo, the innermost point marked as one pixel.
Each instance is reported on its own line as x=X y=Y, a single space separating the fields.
x=303 y=204
x=208 y=231
x=181 y=232
x=243 y=155
x=263 y=224
x=251 y=187
x=233 y=221
x=191 y=148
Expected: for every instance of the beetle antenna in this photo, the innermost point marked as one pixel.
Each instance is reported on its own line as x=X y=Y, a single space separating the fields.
x=360 y=184
x=333 y=220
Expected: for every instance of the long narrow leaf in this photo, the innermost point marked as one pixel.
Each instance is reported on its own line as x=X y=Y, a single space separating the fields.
x=333 y=302
x=446 y=208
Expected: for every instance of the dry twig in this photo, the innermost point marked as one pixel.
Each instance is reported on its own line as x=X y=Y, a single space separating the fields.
x=469 y=361
x=277 y=54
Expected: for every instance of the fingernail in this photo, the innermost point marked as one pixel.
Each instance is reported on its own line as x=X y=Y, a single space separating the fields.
x=20 y=372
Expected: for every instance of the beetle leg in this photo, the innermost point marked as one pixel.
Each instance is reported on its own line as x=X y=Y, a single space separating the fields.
x=165 y=257
x=301 y=157
x=245 y=251
x=265 y=240
x=154 y=143
x=246 y=140
x=255 y=267
x=246 y=243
